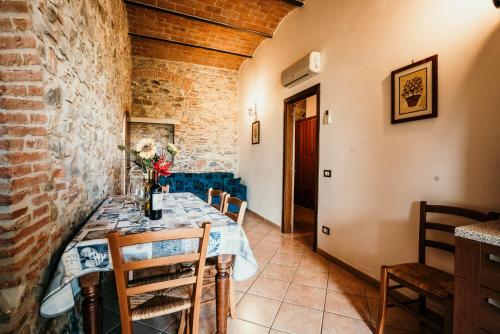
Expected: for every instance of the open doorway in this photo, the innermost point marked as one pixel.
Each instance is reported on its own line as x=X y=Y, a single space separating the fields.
x=300 y=165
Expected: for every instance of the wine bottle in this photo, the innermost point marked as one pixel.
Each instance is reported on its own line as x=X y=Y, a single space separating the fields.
x=147 y=190
x=156 y=198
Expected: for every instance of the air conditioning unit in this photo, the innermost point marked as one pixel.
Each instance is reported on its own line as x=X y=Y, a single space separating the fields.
x=302 y=70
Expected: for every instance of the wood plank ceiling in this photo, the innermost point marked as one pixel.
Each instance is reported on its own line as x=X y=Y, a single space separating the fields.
x=220 y=33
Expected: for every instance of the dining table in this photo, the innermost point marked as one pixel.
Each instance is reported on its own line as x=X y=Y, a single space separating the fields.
x=87 y=255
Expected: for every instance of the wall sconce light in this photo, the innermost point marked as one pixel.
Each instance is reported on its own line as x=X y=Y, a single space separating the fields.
x=496 y=3
x=252 y=111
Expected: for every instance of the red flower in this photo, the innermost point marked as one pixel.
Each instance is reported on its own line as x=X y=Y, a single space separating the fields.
x=162 y=167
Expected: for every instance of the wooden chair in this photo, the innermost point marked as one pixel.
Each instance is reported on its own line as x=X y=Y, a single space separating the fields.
x=241 y=205
x=210 y=267
x=160 y=295
x=427 y=281
x=216 y=193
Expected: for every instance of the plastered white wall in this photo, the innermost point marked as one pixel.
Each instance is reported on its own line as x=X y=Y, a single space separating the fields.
x=380 y=170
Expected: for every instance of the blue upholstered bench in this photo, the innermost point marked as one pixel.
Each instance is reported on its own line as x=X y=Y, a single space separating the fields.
x=199 y=183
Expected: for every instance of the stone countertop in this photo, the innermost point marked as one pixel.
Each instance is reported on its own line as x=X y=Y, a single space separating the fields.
x=488 y=233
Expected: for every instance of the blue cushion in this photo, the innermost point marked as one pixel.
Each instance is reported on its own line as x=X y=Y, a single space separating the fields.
x=199 y=183
x=242 y=192
x=232 y=182
x=218 y=185
x=226 y=175
x=233 y=208
x=216 y=200
x=163 y=180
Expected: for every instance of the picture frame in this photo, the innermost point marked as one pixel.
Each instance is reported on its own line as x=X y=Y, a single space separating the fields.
x=255 y=132
x=414 y=91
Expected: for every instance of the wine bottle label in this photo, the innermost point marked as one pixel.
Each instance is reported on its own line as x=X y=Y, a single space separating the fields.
x=156 y=202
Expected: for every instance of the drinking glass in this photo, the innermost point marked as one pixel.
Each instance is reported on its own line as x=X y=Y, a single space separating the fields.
x=136 y=177
x=138 y=194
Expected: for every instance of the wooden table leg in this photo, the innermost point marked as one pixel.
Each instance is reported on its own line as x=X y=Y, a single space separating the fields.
x=92 y=303
x=222 y=292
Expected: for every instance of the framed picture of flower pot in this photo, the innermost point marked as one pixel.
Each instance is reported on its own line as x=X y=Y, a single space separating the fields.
x=414 y=91
x=255 y=132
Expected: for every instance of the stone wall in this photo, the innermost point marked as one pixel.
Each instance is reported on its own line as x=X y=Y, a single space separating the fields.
x=203 y=99
x=162 y=134
x=64 y=88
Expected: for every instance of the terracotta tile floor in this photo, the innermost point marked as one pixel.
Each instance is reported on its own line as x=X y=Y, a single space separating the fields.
x=303 y=222
x=295 y=291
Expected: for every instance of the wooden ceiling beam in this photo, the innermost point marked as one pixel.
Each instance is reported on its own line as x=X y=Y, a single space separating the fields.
x=297 y=3
x=197 y=18
x=164 y=40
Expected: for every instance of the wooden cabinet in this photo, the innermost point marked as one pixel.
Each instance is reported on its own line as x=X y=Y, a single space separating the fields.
x=477 y=288
x=490 y=267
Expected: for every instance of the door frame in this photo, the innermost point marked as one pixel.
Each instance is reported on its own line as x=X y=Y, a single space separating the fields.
x=289 y=163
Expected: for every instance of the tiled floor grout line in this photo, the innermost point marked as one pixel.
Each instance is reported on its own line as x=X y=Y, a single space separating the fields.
x=369 y=312
x=296 y=249
x=326 y=292
x=288 y=287
x=172 y=324
x=109 y=331
x=259 y=275
x=308 y=307
x=324 y=301
x=295 y=268
x=291 y=281
x=142 y=323
x=155 y=329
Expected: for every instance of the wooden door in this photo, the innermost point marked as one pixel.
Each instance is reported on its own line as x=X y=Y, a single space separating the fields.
x=305 y=161
x=289 y=161
x=288 y=168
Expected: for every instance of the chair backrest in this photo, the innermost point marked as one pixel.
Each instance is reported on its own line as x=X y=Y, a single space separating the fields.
x=425 y=225
x=241 y=205
x=122 y=268
x=216 y=193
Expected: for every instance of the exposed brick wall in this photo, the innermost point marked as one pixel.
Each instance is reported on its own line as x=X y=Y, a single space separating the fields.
x=24 y=212
x=166 y=26
x=152 y=49
x=260 y=15
x=64 y=87
x=204 y=99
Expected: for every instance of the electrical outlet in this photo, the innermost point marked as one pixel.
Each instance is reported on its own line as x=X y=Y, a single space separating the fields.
x=325 y=230
x=327 y=173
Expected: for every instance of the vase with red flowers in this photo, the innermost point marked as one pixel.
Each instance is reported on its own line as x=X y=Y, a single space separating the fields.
x=146 y=158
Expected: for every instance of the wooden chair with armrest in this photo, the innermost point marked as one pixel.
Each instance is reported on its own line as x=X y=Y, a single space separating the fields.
x=159 y=295
x=426 y=281
x=214 y=193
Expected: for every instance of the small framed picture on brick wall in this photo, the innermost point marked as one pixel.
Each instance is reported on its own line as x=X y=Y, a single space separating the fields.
x=255 y=132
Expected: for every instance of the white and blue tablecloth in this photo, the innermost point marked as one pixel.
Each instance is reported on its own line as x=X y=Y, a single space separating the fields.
x=88 y=251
